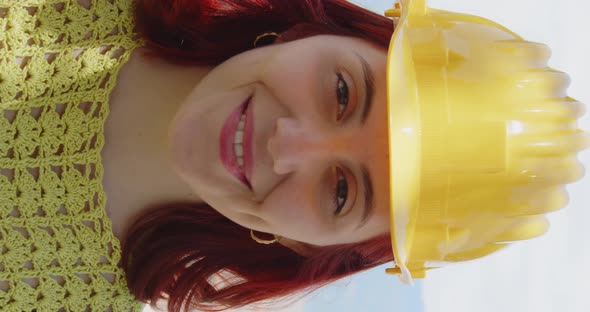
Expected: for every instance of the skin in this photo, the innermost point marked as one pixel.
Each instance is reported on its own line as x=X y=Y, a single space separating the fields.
x=308 y=140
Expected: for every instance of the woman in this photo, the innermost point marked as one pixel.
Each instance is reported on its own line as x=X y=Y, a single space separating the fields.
x=320 y=214
x=60 y=250
x=214 y=137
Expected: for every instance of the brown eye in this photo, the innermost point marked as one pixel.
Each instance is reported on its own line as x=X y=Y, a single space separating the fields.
x=341 y=95
x=341 y=192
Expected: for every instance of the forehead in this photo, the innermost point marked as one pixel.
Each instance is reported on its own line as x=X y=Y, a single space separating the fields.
x=376 y=158
x=374 y=135
x=338 y=42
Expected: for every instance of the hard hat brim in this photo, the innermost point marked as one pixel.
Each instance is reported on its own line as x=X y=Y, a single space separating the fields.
x=404 y=130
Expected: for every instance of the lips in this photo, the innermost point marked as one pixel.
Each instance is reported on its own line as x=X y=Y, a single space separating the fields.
x=227 y=137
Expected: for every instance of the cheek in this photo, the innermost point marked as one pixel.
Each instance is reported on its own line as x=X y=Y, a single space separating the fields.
x=293 y=210
x=299 y=80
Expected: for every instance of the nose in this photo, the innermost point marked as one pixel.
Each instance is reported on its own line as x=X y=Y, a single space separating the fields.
x=294 y=144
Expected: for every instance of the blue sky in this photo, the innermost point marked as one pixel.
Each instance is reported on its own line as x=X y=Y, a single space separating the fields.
x=372 y=291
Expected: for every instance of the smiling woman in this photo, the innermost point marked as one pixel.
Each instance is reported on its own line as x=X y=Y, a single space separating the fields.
x=272 y=138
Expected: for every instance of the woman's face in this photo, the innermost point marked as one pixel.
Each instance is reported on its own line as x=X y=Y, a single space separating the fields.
x=291 y=139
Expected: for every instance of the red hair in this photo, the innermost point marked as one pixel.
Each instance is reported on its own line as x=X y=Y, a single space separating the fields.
x=174 y=251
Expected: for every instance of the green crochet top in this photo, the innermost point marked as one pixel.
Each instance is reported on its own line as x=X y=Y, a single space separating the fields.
x=58 y=64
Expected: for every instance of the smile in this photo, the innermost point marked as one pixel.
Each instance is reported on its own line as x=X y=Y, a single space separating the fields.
x=235 y=143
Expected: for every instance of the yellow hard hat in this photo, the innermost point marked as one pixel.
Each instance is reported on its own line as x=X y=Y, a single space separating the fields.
x=482 y=138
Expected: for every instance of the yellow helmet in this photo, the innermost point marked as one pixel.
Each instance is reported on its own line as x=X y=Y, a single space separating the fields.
x=482 y=138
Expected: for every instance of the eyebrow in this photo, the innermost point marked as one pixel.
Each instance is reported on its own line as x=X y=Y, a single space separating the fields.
x=369 y=206
x=369 y=81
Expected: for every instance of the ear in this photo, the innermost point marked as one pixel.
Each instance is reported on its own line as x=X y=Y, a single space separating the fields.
x=303 y=249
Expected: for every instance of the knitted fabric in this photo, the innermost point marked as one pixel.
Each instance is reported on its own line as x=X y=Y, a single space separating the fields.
x=59 y=60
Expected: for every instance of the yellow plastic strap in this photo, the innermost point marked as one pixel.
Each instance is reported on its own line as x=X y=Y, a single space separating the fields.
x=415 y=273
x=414 y=7
x=395 y=12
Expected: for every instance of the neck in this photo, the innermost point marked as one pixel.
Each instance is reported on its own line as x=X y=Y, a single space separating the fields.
x=137 y=168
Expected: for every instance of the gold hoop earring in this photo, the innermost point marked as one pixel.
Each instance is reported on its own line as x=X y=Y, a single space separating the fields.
x=264 y=241
x=266 y=35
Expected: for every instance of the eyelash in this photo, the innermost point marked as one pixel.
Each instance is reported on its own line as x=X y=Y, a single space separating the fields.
x=341 y=186
x=342 y=96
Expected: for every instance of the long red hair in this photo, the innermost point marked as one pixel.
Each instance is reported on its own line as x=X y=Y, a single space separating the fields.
x=180 y=251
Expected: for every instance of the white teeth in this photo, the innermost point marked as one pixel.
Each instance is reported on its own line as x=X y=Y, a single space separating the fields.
x=239 y=150
x=238 y=140
x=242 y=122
x=239 y=137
